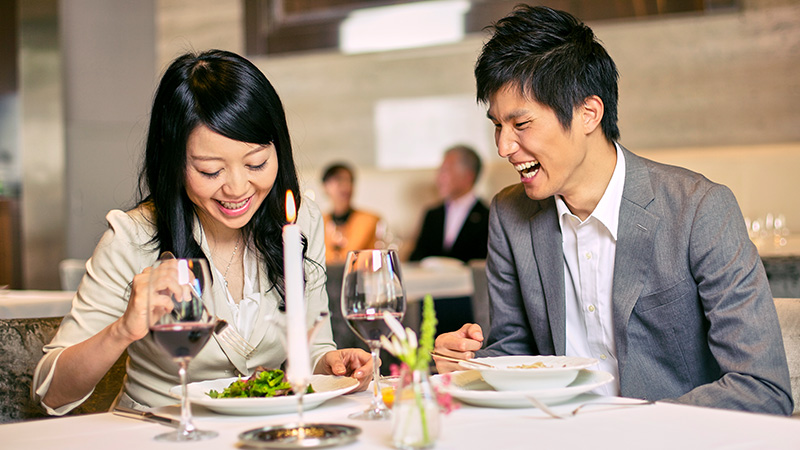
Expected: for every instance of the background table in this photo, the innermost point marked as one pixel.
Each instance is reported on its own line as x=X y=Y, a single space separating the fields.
x=19 y=304
x=661 y=426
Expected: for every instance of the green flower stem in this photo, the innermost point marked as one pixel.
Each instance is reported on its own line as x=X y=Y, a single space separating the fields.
x=422 y=411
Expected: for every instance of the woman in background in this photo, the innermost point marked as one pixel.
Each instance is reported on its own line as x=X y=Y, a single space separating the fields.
x=346 y=228
x=217 y=165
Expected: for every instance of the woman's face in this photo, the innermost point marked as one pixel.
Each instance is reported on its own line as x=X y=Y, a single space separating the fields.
x=227 y=180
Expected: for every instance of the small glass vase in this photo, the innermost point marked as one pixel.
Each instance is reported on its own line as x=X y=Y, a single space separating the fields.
x=416 y=411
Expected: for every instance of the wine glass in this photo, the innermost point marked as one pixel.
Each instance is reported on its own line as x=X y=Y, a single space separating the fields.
x=181 y=320
x=372 y=285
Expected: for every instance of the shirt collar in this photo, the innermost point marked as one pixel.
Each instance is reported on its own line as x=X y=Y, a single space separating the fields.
x=464 y=201
x=607 y=209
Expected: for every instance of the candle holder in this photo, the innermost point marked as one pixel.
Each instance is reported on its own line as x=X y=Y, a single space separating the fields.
x=290 y=436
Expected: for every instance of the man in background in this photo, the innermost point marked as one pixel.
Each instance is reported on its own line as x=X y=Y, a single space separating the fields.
x=459 y=226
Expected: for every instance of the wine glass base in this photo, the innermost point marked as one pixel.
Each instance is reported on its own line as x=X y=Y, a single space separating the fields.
x=372 y=414
x=180 y=436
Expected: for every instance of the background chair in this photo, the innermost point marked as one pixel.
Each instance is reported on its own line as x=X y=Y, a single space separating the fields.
x=70 y=272
x=789 y=317
x=21 y=342
x=480 y=297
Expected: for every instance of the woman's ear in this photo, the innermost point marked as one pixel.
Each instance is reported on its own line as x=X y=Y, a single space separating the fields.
x=591 y=113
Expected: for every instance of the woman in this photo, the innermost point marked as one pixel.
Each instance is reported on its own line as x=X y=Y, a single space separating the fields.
x=217 y=166
x=346 y=229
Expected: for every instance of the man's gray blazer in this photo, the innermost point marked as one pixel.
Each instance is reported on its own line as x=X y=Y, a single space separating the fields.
x=694 y=319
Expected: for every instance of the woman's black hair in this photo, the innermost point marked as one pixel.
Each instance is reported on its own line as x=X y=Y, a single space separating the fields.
x=552 y=58
x=228 y=94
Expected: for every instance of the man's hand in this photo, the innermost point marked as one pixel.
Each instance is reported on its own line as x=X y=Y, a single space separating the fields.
x=460 y=344
x=351 y=362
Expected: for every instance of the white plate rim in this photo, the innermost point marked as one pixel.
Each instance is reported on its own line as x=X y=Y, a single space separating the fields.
x=516 y=399
x=258 y=406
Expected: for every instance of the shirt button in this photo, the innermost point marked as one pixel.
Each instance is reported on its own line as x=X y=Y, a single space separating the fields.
x=588 y=255
x=603 y=357
x=591 y=308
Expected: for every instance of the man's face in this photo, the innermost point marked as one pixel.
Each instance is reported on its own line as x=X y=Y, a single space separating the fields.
x=549 y=159
x=453 y=179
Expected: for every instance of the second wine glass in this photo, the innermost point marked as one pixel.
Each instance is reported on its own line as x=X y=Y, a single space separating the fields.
x=372 y=285
x=181 y=320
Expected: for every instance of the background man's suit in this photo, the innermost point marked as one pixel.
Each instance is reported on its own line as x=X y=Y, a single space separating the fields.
x=471 y=240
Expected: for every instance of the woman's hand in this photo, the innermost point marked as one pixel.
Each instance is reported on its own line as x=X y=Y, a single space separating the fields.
x=161 y=281
x=351 y=362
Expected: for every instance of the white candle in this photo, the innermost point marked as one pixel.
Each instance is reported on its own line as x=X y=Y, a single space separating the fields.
x=298 y=358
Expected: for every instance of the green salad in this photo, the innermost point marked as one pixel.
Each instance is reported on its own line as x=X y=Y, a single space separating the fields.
x=263 y=383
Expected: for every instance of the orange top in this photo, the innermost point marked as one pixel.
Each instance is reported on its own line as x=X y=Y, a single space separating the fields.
x=357 y=233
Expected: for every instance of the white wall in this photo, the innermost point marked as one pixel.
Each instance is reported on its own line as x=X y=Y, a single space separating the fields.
x=687 y=81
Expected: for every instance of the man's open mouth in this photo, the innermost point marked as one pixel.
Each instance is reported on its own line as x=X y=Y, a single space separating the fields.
x=528 y=169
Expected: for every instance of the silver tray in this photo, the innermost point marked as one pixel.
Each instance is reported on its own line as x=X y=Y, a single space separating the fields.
x=318 y=435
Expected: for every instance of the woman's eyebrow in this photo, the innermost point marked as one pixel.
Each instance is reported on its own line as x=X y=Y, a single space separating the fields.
x=219 y=158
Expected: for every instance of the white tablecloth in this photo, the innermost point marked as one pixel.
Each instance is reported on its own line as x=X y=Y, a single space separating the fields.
x=441 y=282
x=661 y=426
x=770 y=247
x=16 y=304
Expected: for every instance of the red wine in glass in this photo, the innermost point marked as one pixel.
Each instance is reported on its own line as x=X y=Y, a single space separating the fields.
x=370 y=327
x=182 y=340
x=371 y=286
x=181 y=320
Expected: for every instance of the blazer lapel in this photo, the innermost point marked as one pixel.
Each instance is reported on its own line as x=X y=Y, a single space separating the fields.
x=547 y=249
x=636 y=236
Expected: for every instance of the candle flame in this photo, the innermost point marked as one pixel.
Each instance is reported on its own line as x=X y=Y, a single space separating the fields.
x=291 y=210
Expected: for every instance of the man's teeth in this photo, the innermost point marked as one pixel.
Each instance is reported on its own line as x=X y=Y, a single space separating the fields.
x=527 y=169
x=229 y=205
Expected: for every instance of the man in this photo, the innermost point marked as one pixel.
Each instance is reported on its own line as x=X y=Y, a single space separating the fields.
x=459 y=227
x=601 y=253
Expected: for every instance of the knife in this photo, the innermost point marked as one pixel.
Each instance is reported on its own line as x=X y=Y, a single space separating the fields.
x=146 y=416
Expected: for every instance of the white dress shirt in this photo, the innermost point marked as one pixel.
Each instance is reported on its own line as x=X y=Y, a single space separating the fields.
x=589 y=250
x=455 y=214
x=244 y=313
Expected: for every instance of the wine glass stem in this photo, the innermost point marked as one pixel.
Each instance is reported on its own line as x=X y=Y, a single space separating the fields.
x=187 y=427
x=377 y=400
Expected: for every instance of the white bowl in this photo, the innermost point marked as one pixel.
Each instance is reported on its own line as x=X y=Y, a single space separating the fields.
x=511 y=373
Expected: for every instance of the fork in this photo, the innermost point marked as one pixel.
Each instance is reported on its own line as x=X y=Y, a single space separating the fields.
x=552 y=413
x=230 y=336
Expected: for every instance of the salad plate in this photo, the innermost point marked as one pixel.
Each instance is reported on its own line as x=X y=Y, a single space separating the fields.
x=325 y=387
x=469 y=387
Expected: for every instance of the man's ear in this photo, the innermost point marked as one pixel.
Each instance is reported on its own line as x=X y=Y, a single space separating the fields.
x=591 y=113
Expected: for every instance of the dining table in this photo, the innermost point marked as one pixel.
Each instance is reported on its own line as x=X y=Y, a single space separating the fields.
x=662 y=425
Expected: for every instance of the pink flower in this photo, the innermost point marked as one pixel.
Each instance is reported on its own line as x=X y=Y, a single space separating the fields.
x=444 y=399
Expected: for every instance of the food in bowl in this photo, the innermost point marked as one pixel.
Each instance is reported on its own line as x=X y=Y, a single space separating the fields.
x=536 y=365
